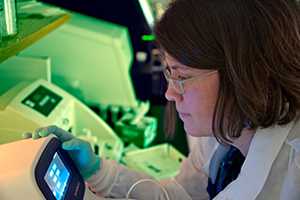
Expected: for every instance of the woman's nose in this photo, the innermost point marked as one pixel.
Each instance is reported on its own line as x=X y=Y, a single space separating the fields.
x=172 y=95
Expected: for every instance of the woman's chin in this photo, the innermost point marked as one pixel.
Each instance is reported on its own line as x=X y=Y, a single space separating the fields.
x=196 y=133
x=190 y=131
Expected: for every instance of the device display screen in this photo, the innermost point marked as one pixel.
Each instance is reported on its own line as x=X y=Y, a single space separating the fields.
x=42 y=100
x=57 y=177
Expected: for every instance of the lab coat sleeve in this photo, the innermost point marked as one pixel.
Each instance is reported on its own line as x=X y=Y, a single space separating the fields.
x=291 y=185
x=115 y=180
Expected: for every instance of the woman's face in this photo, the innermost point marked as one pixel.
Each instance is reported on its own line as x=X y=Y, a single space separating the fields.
x=196 y=105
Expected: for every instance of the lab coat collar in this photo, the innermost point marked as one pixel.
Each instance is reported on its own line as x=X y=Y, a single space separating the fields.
x=263 y=151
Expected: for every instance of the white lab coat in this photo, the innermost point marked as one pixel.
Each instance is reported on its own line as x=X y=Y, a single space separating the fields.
x=271 y=171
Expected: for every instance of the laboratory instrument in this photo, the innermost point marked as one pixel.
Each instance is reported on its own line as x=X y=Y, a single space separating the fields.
x=94 y=63
x=8 y=18
x=161 y=161
x=141 y=132
x=30 y=105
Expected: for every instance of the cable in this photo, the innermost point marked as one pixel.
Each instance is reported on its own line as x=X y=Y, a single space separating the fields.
x=147 y=180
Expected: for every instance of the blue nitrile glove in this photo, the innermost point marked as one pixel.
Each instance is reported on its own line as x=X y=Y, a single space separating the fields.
x=80 y=150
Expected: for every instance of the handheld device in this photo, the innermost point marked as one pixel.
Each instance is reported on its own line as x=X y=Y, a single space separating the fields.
x=39 y=169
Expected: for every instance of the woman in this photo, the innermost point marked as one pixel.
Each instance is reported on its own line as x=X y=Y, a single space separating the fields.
x=233 y=69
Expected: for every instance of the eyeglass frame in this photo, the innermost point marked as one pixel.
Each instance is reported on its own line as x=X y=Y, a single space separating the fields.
x=180 y=82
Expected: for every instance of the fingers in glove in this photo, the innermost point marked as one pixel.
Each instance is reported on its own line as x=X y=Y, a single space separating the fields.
x=75 y=144
x=27 y=135
x=60 y=133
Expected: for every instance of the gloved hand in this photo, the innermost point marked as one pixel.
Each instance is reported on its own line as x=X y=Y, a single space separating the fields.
x=80 y=151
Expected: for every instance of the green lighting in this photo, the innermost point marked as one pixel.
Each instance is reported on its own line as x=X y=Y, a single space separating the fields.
x=148 y=38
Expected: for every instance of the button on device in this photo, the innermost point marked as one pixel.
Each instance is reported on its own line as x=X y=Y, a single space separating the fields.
x=65 y=121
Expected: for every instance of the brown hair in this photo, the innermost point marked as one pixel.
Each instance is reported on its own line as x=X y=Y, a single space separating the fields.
x=255 y=46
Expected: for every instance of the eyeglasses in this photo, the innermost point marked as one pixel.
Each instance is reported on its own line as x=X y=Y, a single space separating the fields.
x=178 y=84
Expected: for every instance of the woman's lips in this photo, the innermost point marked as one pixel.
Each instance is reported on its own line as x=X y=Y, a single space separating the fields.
x=184 y=115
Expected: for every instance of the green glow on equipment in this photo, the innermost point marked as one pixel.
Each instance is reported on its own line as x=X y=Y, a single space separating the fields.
x=92 y=61
x=148 y=38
